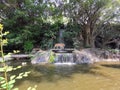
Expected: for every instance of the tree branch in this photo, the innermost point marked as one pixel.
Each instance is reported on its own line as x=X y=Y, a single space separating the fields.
x=4 y=2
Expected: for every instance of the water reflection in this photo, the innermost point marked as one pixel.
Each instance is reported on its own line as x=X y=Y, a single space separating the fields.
x=66 y=77
x=52 y=73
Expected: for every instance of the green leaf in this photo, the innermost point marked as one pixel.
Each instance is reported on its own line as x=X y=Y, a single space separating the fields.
x=19 y=77
x=33 y=89
x=21 y=74
x=10 y=86
x=18 y=67
x=25 y=75
x=15 y=89
x=28 y=72
x=29 y=88
x=12 y=77
x=2 y=78
x=2 y=82
x=9 y=68
x=1 y=69
x=11 y=82
x=3 y=85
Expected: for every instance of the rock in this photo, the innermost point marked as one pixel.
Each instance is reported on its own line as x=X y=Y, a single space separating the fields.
x=41 y=58
x=82 y=57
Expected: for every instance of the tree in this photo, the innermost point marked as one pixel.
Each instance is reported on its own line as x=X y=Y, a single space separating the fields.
x=88 y=14
x=23 y=18
x=39 y=21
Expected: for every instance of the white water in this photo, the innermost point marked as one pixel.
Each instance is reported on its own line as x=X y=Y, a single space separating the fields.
x=64 y=59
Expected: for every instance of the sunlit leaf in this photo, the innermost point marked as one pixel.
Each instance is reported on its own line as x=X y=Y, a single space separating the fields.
x=28 y=72
x=16 y=51
x=6 y=33
x=12 y=77
x=29 y=88
x=11 y=82
x=1 y=69
x=9 y=68
x=5 y=41
x=2 y=78
x=3 y=85
x=33 y=88
x=18 y=67
x=21 y=74
x=10 y=86
x=15 y=89
x=25 y=75
x=2 y=82
x=1 y=27
x=19 y=77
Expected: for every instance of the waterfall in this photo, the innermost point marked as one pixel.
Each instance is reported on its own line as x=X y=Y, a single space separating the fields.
x=61 y=39
x=64 y=58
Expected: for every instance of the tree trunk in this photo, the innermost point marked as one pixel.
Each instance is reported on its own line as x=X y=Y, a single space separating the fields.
x=88 y=37
x=92 y=42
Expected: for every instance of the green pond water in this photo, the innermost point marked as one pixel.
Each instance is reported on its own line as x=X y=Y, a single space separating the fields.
x=104 y=76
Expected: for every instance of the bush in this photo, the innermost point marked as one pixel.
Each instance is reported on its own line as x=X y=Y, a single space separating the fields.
x=28 y=45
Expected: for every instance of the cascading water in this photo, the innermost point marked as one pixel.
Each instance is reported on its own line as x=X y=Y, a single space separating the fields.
x=61 y=57
x=61 y=38
x=64 y=58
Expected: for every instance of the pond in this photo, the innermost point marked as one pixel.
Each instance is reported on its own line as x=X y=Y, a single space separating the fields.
x=99 y=76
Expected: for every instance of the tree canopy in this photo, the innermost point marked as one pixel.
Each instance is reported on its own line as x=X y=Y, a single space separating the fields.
x=38 y=22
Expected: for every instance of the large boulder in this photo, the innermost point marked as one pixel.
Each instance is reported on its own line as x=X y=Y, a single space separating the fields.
x=81 y=57
x=41 y=57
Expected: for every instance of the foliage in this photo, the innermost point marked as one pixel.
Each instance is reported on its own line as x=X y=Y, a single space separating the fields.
x=10 y=84
x=39 y=21
x=52 y=57
x=28 y=46
x=71 y=32
x=7 y=83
